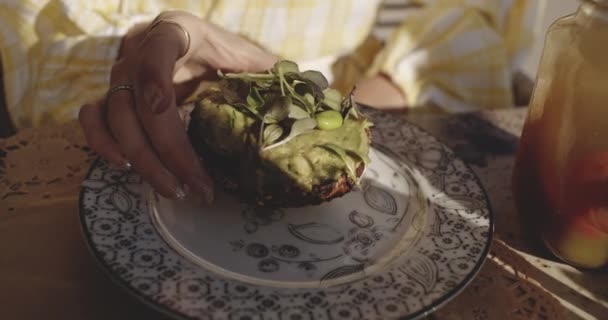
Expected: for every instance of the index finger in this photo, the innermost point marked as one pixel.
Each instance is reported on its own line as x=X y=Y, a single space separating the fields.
x=153 y=81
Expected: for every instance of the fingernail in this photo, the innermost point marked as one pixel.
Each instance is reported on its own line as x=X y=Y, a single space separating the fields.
x=180 y=193
x=205 y=190
x=153 y=98
x=127 y=165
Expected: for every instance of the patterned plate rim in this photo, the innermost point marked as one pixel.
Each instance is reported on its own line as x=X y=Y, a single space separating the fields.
x=424 y=311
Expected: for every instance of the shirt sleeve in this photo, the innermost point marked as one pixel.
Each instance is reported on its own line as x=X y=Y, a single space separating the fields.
x=58 y=54
x=51 y=63
x=456 y=57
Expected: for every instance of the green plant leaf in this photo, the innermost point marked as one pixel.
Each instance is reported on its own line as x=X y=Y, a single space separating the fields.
x=295 y=112
x=254 y=99
x=264 y=83
x=349 y=107
x=246 y=109
x=279 y=110
x=303 y=101
x=354 y=111
x=287 y=98
x=297 y=128
x=315 y=77
x=272 y=133
x=281 y=68
x=301 y=87
x=333 y=99
x=317 y=92
x=302 y=126
x=310 y=99
x=252 y=103
x=285 y=66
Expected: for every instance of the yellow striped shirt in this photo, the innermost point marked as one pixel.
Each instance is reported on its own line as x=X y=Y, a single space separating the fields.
x=456 y=54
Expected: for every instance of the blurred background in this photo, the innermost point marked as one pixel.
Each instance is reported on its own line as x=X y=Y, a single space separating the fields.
x=550 y=10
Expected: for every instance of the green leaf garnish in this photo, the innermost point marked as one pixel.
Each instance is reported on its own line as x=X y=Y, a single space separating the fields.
x=316 y=77
x=295 y=112
x=279 y=110
x=245 y=108
x=349 y=107
x=285 y=97
x=333 y=99
x=272 y=133
x=297 y=128
x=310 y=101
x=285 y=66
x=281 y=68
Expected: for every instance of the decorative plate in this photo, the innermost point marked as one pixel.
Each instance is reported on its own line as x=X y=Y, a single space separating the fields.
x=414 y=235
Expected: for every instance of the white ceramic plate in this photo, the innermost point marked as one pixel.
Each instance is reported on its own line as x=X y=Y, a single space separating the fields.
x=410 y=239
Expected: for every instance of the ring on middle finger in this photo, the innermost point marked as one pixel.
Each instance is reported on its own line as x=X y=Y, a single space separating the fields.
x=117 y=88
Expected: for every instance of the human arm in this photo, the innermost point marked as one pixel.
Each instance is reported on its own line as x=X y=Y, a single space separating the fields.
x=444 y=54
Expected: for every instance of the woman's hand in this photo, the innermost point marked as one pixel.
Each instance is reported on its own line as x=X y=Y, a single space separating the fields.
x=141 y=127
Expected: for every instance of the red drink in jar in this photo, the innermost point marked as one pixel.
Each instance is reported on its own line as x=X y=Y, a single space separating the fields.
x=560 y=180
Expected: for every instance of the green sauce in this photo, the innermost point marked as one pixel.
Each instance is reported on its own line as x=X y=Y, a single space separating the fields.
x=228 y=132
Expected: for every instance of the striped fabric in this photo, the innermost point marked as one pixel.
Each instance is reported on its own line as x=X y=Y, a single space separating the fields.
x=391 y=14
x=456 y=54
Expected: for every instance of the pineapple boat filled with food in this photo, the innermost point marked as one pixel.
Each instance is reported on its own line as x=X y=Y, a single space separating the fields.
x=280 y=138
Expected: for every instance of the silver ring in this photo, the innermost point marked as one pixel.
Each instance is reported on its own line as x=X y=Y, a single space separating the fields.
x=117 y=88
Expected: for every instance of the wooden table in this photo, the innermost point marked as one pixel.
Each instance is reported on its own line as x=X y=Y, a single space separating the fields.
x=46 y=271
